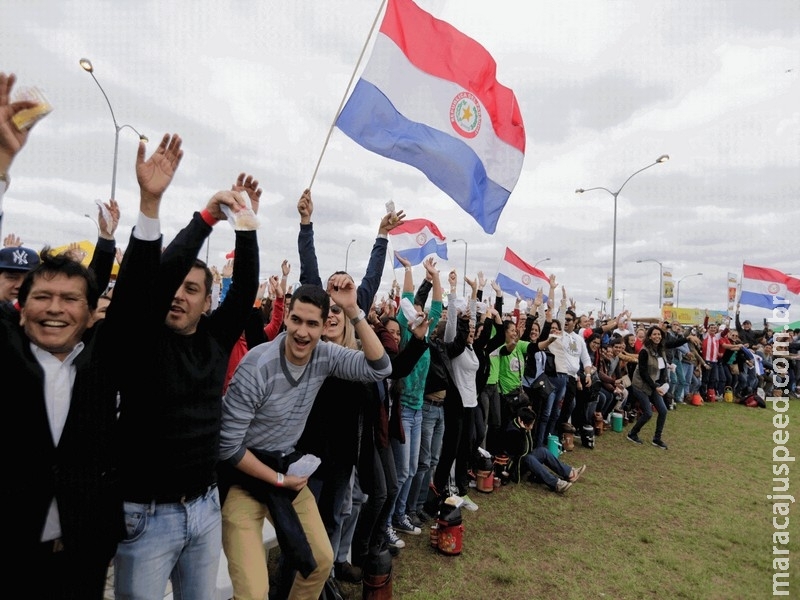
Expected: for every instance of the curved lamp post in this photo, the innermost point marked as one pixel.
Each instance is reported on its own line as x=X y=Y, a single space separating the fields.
x=93 y=220
x=464 y=275
x=660 y=159
x=678 y=288
x=660 y=276
x=86 y=65
x=536 y=264
x=347 y=254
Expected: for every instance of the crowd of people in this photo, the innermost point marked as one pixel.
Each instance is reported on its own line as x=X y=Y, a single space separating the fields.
x=174 y=407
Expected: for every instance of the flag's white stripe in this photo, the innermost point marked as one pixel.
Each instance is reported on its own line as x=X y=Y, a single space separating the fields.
x=426 y=99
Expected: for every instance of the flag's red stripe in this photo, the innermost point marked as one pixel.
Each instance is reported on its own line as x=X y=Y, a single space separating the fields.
x=438 y=48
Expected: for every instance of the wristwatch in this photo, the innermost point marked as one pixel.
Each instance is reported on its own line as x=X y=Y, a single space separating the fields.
x=359 y=317
x=279 y=480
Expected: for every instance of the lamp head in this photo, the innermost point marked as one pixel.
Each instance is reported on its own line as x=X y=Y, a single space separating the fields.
x=86 y=65
x=579 y=191
x=662 y=158
x=143 y=138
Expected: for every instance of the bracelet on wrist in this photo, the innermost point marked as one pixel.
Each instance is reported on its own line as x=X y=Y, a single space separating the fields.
x=359 y=317
x=279 y=479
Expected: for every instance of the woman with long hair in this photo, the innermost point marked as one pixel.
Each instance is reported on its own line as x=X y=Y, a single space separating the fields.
x=650 y=382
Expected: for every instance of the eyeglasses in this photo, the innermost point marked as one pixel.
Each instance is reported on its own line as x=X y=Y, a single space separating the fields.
x=336 y=309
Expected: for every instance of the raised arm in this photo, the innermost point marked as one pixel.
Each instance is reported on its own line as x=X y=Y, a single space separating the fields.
x=309 y=268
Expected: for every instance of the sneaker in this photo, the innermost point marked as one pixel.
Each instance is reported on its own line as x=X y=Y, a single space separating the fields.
x=659 y=444
x=473 y=483
x=415 y=520
x=392 y=539
x=344 y=571
x=424 y=516
x=404 y=525
x=468 y=503
x=632 y=437
x=562 y=486
x=576 y=474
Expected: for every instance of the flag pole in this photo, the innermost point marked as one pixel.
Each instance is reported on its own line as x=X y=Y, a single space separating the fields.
x=347 y=90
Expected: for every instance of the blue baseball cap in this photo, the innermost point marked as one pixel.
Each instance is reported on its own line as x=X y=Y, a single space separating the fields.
x=19 y=259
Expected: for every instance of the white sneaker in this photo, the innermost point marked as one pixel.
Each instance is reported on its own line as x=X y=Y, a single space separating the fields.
x=404 y=525
x=468 y=503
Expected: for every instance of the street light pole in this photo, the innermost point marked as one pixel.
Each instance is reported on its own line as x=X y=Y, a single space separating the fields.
x=678 y=286
x=660 y=159
x=93 y=220
x=347 y=255
x=86 y=65
x=660 y=276
x=464 y=275
x=536 y=264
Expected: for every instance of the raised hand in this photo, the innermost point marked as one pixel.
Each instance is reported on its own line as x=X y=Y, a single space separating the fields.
x=497 y=289
x=227 y=270
x=155 y=174
x=452 y=279
x=108 y=227
x=231 y=199
x=472 y=283
x=539 y=300
x=262 y=287
x=305 y=206
x=12 y=241
x=390 y=221
x=248 y=184
x=481 y=280
x=342 y=290
x=285 y=268
x=402 y=260
x=11 y=139
x=430 y=267
x=421 y=330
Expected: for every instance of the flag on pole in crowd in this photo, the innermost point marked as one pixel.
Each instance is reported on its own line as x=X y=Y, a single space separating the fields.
x=768 y=288
x=515 y=276
x=667 y=287
x=733 y=285
x=415 y=240
x=429 y=97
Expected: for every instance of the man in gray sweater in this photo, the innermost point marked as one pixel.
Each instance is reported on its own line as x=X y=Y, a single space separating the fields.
x=263 y=415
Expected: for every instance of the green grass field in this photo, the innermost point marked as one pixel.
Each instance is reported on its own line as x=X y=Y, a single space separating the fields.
x=690 y=522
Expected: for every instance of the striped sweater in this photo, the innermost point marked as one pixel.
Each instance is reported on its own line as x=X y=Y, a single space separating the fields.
x=266 y=408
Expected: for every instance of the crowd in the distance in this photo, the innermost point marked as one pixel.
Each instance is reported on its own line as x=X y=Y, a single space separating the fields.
x=174 y=407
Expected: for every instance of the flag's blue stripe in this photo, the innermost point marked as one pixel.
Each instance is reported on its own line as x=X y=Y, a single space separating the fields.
x=515 y=287
x=371 y=120
x=416 y=255
x=763 y=300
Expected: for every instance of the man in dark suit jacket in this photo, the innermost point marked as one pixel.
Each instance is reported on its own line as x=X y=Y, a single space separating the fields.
x=68 y=511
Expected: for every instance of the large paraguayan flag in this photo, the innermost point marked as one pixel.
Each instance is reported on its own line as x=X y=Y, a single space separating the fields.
x=768 y=288
x=415 y=240
x=429 y=97
x=518 y=277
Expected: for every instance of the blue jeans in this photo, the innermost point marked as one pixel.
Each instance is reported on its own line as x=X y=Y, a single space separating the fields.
x=430 y=448
x=679 y=387
x=406 y=455
x=647 y=412
x=559 y=391
x=179 y=542
x=543 y=463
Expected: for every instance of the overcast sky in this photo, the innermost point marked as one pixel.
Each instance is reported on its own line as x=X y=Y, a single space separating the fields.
x=604 y=89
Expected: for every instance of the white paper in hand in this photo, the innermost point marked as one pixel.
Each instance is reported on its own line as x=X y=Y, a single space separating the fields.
x=410 y=313
x=663 y=388
x=304 y=466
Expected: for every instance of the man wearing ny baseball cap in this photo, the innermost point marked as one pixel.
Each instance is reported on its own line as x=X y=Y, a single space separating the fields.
x=15 y=262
